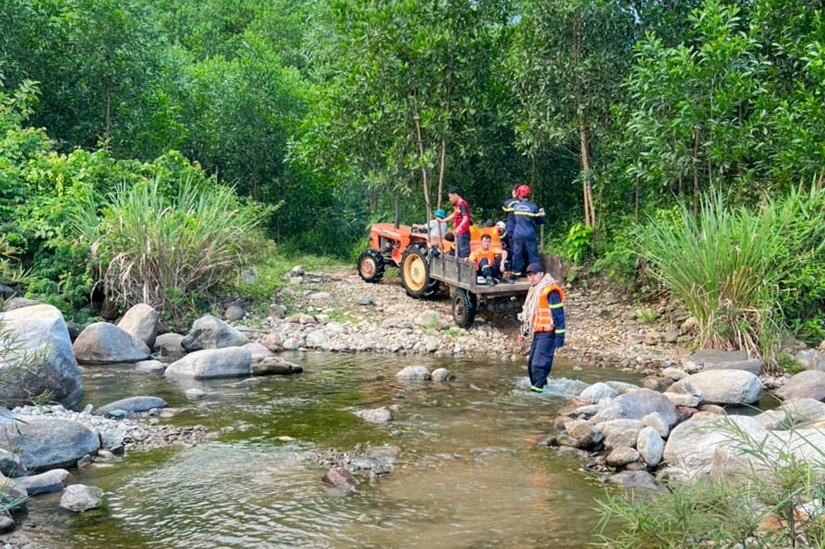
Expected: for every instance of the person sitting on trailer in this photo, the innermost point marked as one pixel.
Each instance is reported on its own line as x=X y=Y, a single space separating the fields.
x=436 y=229
x=489 y=261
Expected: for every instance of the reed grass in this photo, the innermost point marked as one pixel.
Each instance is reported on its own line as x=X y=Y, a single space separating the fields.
x=726 y=266
x=168 y=251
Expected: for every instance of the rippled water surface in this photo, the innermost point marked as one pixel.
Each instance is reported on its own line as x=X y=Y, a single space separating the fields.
x=466 y=477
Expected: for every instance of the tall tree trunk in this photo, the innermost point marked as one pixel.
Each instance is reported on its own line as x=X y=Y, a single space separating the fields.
x=442 y=169
x=694 y=165
x=442 y=165
x=424 y=179
x=108 y=131
x=587 y=190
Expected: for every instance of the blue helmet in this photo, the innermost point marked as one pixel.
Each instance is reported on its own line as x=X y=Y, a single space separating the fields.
x=440 y=214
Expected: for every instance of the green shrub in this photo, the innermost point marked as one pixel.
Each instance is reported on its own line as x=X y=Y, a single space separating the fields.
x=579 y=242
x=172 y=252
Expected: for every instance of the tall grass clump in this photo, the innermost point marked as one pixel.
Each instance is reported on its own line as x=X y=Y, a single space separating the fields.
x=802 y=286
x=172 y=251
x=726 y=267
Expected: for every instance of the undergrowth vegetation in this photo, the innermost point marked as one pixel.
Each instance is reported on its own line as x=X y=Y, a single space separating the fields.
x=744 y=274
x=774 y=498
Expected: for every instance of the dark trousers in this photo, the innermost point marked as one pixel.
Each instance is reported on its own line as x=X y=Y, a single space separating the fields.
x=522 y=246
x=540 y=361
x=463 y=244
x=494 y=270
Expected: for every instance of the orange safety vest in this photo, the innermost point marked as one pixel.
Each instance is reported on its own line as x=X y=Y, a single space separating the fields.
x=543 y=315
x=489 y=255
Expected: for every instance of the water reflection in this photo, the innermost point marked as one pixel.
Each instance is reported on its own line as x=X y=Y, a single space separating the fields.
x=465 y=478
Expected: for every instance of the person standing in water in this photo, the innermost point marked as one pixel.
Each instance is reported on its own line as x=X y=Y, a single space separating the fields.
x=542 y=319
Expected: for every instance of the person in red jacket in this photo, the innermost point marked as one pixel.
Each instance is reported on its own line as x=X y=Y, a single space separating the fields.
x=461 y=222
x=542 y=319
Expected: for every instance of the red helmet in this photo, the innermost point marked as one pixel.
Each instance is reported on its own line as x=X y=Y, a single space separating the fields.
x=523 y=190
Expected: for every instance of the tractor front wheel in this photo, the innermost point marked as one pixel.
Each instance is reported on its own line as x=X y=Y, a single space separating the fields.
x=415 y=272
x=371 y=266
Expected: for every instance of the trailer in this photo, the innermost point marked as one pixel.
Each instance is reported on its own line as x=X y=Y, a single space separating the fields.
x=423 y=271
x=469 y=294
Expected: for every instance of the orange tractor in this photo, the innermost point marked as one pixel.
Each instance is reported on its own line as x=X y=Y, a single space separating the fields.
x=400 y=246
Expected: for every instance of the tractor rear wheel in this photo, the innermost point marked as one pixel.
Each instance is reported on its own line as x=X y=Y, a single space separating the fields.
x=371 y=266
x=464 y=308
x=415 y=272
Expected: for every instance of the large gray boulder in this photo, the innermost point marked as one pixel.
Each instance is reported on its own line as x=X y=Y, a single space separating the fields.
x=726 y=386
x=209 y=332
x=752 y=365
x=104 y=343
x=691 y=446
x=807 y=384
x=135 y=404
x=141 y=321
x=636 y=405
x=47 y=443
x=42 y=361
x=792 y=413
x=212 y=363
x=765 y=454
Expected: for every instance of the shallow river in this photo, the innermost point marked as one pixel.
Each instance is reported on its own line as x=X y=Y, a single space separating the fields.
x=466 y=477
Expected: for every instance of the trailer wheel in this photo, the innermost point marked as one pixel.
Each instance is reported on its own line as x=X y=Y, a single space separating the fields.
x=415 y=273
x=464 y=308
x=371 y=266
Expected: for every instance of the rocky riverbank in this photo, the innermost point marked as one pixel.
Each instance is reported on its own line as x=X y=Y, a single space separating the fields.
x=341 y=313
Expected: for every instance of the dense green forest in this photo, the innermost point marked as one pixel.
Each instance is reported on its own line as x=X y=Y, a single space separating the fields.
x=315 y=116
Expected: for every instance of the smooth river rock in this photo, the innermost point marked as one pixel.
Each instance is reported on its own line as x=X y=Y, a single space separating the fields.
x=807 y=384
x=141 y=321
x=636 y=405
x=48 y=443
x=44 y=483
x=79 y=498
x=135 y=404
x=726 y=386
x=43 y=362
x=209 y=332
x=104 y=343
x=212 y=363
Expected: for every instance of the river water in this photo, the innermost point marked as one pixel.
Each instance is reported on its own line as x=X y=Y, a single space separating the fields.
x=466 y=476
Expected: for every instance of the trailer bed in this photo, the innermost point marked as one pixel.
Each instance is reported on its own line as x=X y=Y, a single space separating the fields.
x=461 y=273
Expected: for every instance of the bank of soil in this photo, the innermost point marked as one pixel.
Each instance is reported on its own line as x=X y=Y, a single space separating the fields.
x=604 y=327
